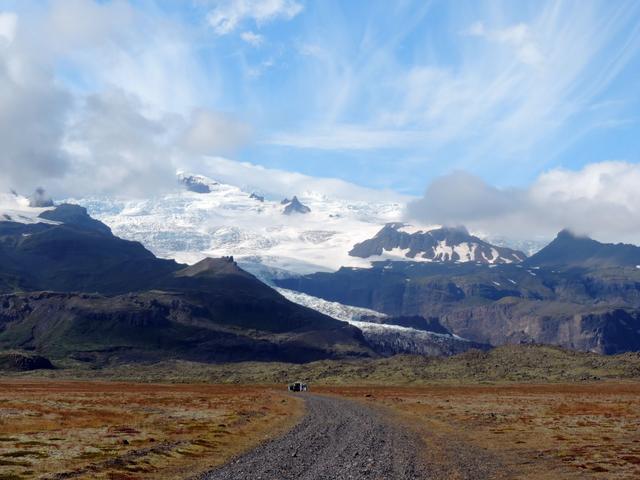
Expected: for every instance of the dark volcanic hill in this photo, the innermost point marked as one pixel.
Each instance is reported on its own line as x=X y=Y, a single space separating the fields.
x=570 y=250
x=437 y=245
x=72 y=289
x=74 y=253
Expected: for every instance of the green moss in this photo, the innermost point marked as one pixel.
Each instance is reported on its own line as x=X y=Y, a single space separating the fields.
x=515 y=363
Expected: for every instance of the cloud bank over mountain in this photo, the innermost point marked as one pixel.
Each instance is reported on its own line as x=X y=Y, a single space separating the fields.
x=278 y=183
x=112 y=97
x=601 y=199
x=108 y=103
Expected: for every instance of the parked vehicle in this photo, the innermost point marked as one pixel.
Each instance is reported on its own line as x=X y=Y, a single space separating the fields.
x=298 y=387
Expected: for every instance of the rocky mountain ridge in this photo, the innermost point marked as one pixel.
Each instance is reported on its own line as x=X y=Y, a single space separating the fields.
x=591 y=303
x=394 y=241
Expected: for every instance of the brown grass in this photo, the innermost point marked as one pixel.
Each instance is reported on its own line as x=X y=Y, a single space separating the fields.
x=535 y=431
x=67 y=429
x=137 y=431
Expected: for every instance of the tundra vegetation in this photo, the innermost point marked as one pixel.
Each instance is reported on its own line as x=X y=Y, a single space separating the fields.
x=113 y=430
x=522 y=411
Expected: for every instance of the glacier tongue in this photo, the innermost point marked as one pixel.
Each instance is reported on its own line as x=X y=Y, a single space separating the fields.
x=339 y=311
x=386 y=339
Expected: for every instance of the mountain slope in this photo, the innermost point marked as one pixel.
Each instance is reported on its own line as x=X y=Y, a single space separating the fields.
x=396 y=241
x=153 y=326
x=75 y=253
x=596 y=310
x=570 y=250
x=391 y=335
x=108 y=298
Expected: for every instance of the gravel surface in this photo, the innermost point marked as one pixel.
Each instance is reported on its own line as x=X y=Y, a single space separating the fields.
x=336 y=440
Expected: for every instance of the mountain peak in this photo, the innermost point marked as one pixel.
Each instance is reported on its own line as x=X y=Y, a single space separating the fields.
x=444 y=244
x=294 y=206
x=75 y=215
x=196 y=183
x=208 y=267
x=571 y=250
x=566 y=233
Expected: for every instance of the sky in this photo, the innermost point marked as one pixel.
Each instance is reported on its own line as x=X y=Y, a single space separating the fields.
x=518 y=107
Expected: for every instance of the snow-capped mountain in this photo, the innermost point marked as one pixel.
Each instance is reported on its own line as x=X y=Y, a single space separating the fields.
x=203 y=217
x=21 y=209
x=398 y=241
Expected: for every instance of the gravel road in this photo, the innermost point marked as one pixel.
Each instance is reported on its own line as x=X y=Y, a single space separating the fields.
x=336 y=440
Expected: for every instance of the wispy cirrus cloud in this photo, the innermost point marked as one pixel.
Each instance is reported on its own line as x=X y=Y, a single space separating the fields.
x=518 y=36
x=277 y=182
x=350 y=137
x=502 y=89
x=387 y=94
x=228 y=15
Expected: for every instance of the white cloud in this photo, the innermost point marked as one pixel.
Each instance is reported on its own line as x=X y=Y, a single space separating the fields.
x=252 y=38
x=33 y=112
x=278 y=183
x=257 y=70
x=349 y=137
x=213 y=132
x=518 y=37
x=229 y=14
x=80 y=23
x=144 y=52
x=601 y=199
x=124 y=122
x=113 y=146
x=8 y=26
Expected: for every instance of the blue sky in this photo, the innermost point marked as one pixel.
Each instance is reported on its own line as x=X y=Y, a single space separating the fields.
x=382 y=94
x=391 y=94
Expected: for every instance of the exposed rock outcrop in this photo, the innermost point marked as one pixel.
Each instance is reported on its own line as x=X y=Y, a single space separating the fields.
x=436 y=245
x=294 y=206
x=23 y=362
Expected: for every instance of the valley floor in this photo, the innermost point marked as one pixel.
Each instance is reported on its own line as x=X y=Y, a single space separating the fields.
x=519 y=431
x=67 y=429
x=126 y=431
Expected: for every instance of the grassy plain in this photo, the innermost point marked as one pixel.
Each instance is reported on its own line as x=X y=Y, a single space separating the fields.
x=127 y=431
x=538 y=412
x=538 y=432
